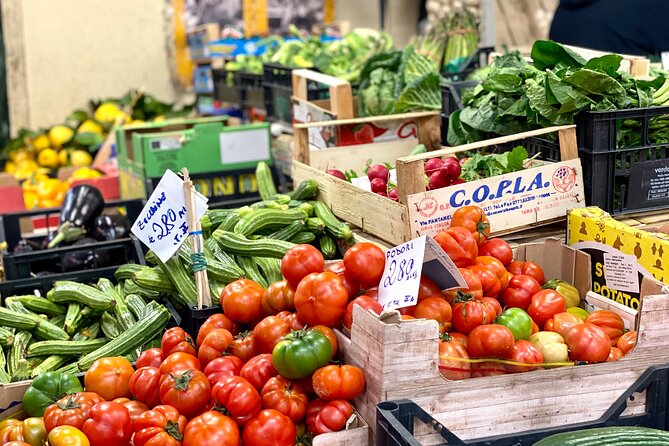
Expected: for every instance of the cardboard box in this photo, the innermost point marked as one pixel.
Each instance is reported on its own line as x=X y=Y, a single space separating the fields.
x=12 y=196
x=621 y=255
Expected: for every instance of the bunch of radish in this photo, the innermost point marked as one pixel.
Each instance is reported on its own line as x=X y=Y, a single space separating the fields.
x=443 y=172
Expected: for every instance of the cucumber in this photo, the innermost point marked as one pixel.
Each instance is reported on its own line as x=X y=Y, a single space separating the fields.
x=610 y=436
x=266 y=187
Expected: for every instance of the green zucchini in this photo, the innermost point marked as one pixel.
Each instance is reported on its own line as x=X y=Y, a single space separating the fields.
x=43 y=348
x=17 y=353
x=123 y=315
x=306 y=190
x=303 y=238
x=263 y=218
x=130 y=287
x=66 y=291
x=608 y=436
x=223 y=272
x=50 y=363
x=230 y=222
x=90 y=332
x=270 y=268
x=72 y=317
x=183 y=281
x=328 y=246
x=6 y=337
x=125 y=272
x=315 y=225
x=251 y=270
x=240 y=245
x=213 y=218
x=70 y=368
x=266 y=187
x=39 y=305
x=4 y=376
x=109 y=325
x=151 y=258
x=332 y=224
x=136 y=305
x=21 y=321
x=153 y=279
x=58 y=321
x=287 y=232
x=43 y=328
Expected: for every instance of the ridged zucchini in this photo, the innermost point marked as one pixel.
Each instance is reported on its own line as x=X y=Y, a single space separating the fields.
x=43 y=348
x=328 y=246
x=130 y=287
x=263 y=218
x=21 y=321
x=6 y=337
x=123 y=315
x=58 y=321
x=230 y=222
x=306 y=190
x=90 y=332
x=608 y=436
x=154 y=279
x=315 y=225
x=126 y=271
x=109 y=325
x=213 y=218
x=270 y=268
x=4 y=376
x=223 y=272
x=251 y=270
x=72 y=317
x=136 y=305
x=303 y=237
x=240 y=245
x=287 y=232
x=151 y=258
x=18 y=351
x=266 y=187
x=50 y=363
x=71 y=368
x=66 y=291
x=43 y=328
x=38 y=305
x=332 y=224
x=182 y=281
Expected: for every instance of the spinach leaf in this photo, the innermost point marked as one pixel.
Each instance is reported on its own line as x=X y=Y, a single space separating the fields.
x=505 y=83
x=548 y=54
x=609 y=64
x=595 y=82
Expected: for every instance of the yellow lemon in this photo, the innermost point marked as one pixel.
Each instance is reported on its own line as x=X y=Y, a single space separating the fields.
x=81 y=158
x=10 y=167
x=41 y=142
x=89 y=126
x=107 y=112
x=60 y=135
x=22 y=155
x=85 y=173
x=64 y=157
x=48 y=158
x=30 y=199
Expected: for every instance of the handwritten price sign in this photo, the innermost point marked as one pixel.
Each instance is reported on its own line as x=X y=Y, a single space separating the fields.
x=162 y=224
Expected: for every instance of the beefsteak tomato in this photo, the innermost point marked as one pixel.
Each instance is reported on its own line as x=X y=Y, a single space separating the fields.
x=269 y=427
x=176 y=339
x=328 y=416
x=469 y=313
x=519 y=291
x=223 y=367
x=453 y=357
x=214 y=346
x=71 y=410
x=352 y=287
x=242 y=301
x=268 y=332
x=144 y=385
x=459 y=245
x=544 y=305
x=238 y=397
x=609 y=321
x=499 y=249
x=46 y=389
x=149 y=358
x=489 y=281
x=473 y=219
x=288 y=397
x=279 y=296
x=588 y=342
x=366 y=302
x=320 y=299
x=528 y=269
x=435 y=308
x=218 y=320
x=474 y=286
x=299 y=261
x=243 y=346
x=109 y=377
x=258 y=370
x=108 y=424
x=364 y=263
x=527 y=353
x=211 y=429
x=490 y=341
x=338 y=382
x=626 y=342
x=301 y=353
x=160 y=426
x=188 y=392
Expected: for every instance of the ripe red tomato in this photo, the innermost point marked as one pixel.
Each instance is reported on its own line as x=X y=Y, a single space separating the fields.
x=366 y=302
x=490 y=341
x=211 y=428
x=328 y=416
x=469 y=313
x=589 y=343
x=242 y=301
x=461 y=338
x=218 y=320
x=474 y=286
x=519 y=292
x=268 y=332
x=175 y=340
x=108 y=424
x=259 y=370
x=435 y=308
x=529 y=269
x=365 y=263
x=188 y=392
x=497 y=248
x=292 y=319
x=427 y=288
x=545 y=304
x=459 y=245
x=495 y=266
x=149 y=358
x=338 y=382
x=562 y=323
x=300 y=261
x=286 y=396
x=109 y=377
x=320 y=299
x=269 y=427
x=214 y=346
x=278 y=297
x=243 y=346
x=615 y=354
x=71 y=410
x=161 y=426
x=223 y=367
x=239 y=398
x=453 y=357
x=352 y=287
x=489 y=282
x=609 y=321
x=144 y=385
x=135 y=408
x=626 y=342
x=494 y=307
x=473 y=219
x=528 y=353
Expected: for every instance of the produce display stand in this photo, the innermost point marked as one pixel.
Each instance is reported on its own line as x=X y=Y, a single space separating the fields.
x=400 y=359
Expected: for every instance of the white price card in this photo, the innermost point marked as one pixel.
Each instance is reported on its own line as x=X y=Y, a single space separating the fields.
x=664 y=57
x=405 y=264
x=162 y=224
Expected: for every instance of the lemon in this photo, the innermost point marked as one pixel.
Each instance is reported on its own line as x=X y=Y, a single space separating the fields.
x=89 y=126
x=60 y=135
x=10 y=167
x=23 y=155
x=64 y=156
x=48 y=158
x=85 y=173
x=80 y=158
x=41 y=142
x=107 y=112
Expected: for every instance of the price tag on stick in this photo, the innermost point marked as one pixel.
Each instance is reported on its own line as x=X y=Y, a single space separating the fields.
x=405 y=264
x=162 y=224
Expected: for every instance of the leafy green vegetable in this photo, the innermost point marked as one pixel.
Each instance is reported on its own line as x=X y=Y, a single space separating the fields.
x=480 y=166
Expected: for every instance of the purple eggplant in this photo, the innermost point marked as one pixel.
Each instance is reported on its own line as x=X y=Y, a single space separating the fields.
x=82 y=204
x=108 y=227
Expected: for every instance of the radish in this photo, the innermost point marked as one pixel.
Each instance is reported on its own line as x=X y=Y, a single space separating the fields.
x=457 y=181
x=432 y=165
x=451 y=168
x=462 y=161
x=336 y=173
x=379 y=185
x=378 y=171
x=438 y=180
x=393 y=194
x=383 y=194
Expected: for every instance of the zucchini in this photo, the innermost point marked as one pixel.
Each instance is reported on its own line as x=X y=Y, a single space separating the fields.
x=130 y=287
x=125 y=272
x=109 y=325
x=306 y=190
x=251 y=270
x=307 y=208
x=151 y=258
x=223 y=272
x=270 y=268
x=43 y=348
x=72 y=317
x=58 y=321
x=49 y=364
x=328 y=246
x=287 y=232
x=303 y=237
x=332 y=224
x=184 y=283
x=266 y=187
x=90 y=332
x=21 y=321
x=153 y=279
x=17 y=353
x=6 y=337
x=279 y=207
x=67 y=291
x=263 y=218
x=70 y=369
x=240 y=245
x=139 y=334
x=17 y=306
x=39 y=305
x=136 y=305
x=315 y=225
x=123 y=315
x=213 y=218
x=230 y=221
x=4 y=376
x=611 y=436
x=43 y=328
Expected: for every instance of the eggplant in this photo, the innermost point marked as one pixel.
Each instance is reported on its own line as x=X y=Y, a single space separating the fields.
x=22 y=247
x=82 y=204
x=86 y=258
x=110 y=227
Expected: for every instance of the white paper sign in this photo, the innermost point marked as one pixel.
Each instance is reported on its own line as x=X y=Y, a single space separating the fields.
x=665 y=60
x=621 y=272
x=162 y=223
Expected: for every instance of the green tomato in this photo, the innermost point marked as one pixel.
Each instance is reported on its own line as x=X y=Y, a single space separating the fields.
x=300 y=353
x=578 y=312
x=518 y=321
x=48 y=388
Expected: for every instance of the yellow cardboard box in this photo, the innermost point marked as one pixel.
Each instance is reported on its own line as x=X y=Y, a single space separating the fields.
x=621 y=255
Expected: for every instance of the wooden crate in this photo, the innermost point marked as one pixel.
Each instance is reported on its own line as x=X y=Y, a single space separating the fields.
x=398 y=222
x=400 y=360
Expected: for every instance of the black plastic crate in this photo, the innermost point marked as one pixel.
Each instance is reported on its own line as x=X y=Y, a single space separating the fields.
x=43 y=284
x=395 y=420
x=451 y=101
x=227 y=87
x=252 y=91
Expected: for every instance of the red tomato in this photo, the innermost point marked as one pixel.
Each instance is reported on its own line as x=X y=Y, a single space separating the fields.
x=300 y=261
x=292 y=319
x=270 y=427
x=546 y=304
x=328 y=416
x=427 y=288
x=469 y=313
x=452 y=358
x=286 y=396
x=435 y=308
x=626 y=342
x=519 y=292
x=459 y=245
x=461 y=338
x=259 y=370
x=365 y=263
x=218 y=320
x=562 y=323
x=175 y=340
x=490 y=341
x=71 y=410
x=149 y=358
x=242 y=300
x=609 y=321
x=529 y=269
x=268 y=332
x=108 y=424
x=366 y=302
x=214 y=346
x=528 y=353
x=243 y=346
x=496 y=267
x=494 y=307
x=338 y=382
x=489 y=282
x=474 y=286
x=473 y=219
x=223 y=367
x=615 y=354
x=211 y=428
x=135 y=408
x=499 y=249
x=278 y=297
x=587 y=342
x=109 y=377
x=161 y=426
x=239 y=398
x=144 y=385
x=351 y=285
x=188 y=392
x=320 y=299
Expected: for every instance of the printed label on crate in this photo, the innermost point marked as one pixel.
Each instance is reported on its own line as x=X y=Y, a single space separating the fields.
x=621 y=272
x=366 y=133
x=319 y=137
x=649 y=184
x=166 y=143
x=162 y=224
x=510 y=201
x=405 y=264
